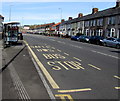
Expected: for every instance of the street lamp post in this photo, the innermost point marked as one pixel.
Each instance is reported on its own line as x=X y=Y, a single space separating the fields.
x=10 y=12
x=60 y=13
x=60 y=16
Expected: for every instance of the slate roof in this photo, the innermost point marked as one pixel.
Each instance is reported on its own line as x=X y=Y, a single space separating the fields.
x=103 y=13
x=100 y=14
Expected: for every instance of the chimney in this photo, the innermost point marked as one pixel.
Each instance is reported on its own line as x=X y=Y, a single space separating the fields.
x=118 y=3
x=94 y=10
x=70 y=18
x=62 y=20
x=80 y=15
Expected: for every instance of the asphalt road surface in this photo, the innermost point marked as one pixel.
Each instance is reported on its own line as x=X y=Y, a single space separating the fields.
x=75 y=70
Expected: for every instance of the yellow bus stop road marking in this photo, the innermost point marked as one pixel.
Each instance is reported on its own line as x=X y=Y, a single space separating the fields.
x=117 y=77
x=94 y=66
x=47 y=75
x=77 y=59
x=64 y=97
x=117 y=88
x=74 y=90
x=66 y=54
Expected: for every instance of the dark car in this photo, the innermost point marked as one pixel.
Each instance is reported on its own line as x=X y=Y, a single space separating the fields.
x=96 y=40
x=75 y=37
x=84 y=38
x=113 y=42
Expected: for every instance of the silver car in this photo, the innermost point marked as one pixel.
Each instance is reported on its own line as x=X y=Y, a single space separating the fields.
x=113 y=42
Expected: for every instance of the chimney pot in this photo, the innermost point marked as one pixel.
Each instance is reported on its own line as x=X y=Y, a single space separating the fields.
x=70 y=18
x=118 y=3
x=80 y=15
x=94 y=10
x=62 y=20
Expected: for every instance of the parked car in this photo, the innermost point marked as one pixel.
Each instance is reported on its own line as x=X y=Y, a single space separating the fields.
x=75 y=37
x=84 y=38
x=113 y=42
x=96 y=40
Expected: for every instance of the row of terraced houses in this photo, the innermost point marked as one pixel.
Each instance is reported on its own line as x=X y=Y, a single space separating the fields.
x=1 y=25
x=104 y=23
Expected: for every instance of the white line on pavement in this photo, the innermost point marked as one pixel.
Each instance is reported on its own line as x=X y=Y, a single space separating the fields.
x=43 y=80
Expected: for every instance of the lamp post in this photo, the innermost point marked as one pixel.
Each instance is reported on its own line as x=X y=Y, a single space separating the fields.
x=60 y=17
x=10 y=12
x=60 y=13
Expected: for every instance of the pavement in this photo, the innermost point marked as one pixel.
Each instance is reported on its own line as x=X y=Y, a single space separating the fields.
x=20 y=79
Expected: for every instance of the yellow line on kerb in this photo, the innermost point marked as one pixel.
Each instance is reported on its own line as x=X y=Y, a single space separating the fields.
x=117 y=87
x=48 y=76
x=74 y=90
x=94 y=66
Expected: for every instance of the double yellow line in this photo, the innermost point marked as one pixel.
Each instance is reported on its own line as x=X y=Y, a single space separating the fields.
x=47 y=75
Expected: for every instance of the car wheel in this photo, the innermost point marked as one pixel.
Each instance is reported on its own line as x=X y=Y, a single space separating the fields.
x=104 y=44
x=97 y=42
x=117 y=46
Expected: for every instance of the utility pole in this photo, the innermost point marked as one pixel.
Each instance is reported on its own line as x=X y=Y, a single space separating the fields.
x=10 y=12
x=60 y=13
x=60 y=16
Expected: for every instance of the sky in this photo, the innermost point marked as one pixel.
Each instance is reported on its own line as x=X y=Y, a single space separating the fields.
x=30 y=13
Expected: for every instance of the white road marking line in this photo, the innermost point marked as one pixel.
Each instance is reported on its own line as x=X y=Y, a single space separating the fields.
x=76 y=46
x=94 y=67
x=105 y=54
x=117 y=88
x=61 y=42
x=117 y=77
x=51 y=95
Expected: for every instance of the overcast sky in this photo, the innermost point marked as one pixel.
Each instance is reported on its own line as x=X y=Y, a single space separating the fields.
x=47 y=12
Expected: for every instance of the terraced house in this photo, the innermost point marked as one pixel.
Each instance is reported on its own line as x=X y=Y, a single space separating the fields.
x=104 y=23
x=72 y=26
x=1 y=20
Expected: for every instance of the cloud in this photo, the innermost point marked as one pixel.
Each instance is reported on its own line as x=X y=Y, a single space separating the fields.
x=59 y=0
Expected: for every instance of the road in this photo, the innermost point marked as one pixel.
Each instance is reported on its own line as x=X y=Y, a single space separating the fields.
x=75 y=70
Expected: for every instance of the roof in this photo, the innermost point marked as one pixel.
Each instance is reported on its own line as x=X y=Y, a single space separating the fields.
x=56 y=24
x=44 y=25
x=1 y=17
x=104 y=13
x=12 y=22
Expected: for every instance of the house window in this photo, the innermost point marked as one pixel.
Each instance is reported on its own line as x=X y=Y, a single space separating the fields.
x=94 y=22
x=87 y=24
x=100 y=22
x=111 y=20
